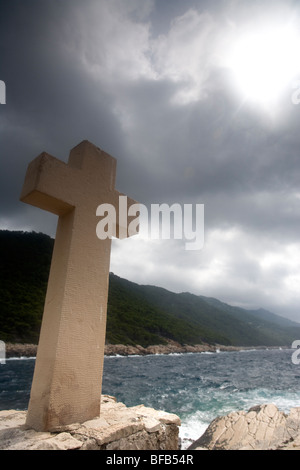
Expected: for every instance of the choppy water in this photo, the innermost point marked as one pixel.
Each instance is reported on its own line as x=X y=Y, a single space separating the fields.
x=197 y=387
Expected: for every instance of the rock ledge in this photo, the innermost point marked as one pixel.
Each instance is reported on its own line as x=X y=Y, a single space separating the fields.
x=262 y=427
x=118 y=428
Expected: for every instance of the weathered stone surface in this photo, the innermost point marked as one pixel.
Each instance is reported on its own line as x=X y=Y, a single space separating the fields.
x=263 y=427
x=118 y=428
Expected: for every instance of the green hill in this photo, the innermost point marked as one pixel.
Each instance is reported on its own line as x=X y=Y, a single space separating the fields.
x=137 y=314
x=213 y=321
x=24 y=267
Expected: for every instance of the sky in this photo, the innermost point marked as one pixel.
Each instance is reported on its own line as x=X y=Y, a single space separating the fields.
x=199 y=103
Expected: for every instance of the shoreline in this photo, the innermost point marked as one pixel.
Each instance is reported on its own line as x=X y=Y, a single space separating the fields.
x=29 y=350
x=189 y=439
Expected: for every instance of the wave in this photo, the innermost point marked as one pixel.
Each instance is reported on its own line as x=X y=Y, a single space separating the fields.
x=225 y=400
x=21 y=358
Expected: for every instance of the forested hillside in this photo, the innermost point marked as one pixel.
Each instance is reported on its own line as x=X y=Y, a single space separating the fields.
x=137 y=314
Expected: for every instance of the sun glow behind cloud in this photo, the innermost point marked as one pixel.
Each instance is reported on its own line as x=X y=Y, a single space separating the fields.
x=264 y=61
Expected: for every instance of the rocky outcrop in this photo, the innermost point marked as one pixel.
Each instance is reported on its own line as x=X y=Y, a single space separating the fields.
x=172 y=347
x=263 y=427
x=20 y=350
x=117 y=428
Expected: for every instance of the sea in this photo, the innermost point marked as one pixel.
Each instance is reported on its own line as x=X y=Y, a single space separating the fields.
x=197 y=387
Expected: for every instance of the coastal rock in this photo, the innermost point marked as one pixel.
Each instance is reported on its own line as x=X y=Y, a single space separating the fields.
x=172 y=347
x=263 y=427
x=20 y=350
x=117 y=428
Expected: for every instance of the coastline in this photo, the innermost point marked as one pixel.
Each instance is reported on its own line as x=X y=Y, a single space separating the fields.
x=197 y=432
x=29 y=350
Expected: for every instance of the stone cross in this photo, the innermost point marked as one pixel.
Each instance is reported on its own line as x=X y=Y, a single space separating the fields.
x=67 y=380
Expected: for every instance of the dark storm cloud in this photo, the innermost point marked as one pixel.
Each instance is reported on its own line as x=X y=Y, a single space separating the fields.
x=146 y=81
x=51 y=106
x=210 y=147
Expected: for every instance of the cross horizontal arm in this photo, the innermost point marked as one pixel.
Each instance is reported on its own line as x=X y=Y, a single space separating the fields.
x=45 y=185
x=124 y=228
